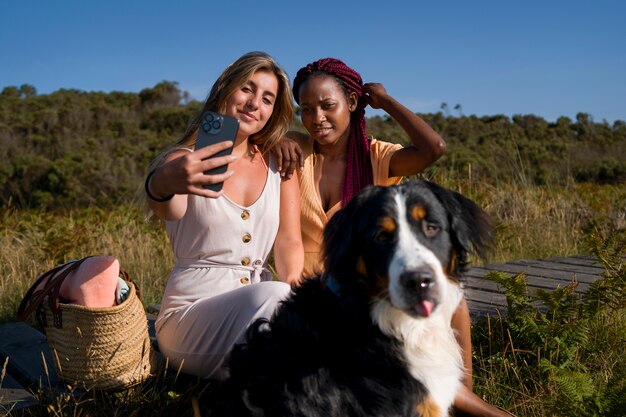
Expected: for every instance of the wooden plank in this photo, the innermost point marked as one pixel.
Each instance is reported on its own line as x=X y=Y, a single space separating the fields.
x=592 y=273
x=539 y=281
x=477 y=281
x=591 y=270
x=566 y=276
x=535 y=282
x=9 y=382
x=13 y=396
x=576 y=260
x=27 y=349
x=486 y=297
x=480 y=310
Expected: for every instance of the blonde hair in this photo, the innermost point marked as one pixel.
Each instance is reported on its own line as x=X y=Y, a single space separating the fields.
x=232 y=78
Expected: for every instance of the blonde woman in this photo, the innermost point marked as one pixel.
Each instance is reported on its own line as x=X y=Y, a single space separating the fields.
x=221 y=240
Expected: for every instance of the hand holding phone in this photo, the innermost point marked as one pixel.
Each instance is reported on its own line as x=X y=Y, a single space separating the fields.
x=214 y=128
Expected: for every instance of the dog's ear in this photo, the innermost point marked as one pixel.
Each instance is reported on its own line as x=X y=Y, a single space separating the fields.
x=471 y=230
x=339 y=249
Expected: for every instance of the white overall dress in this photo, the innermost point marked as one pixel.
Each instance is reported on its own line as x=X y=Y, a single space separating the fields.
x=219 y=285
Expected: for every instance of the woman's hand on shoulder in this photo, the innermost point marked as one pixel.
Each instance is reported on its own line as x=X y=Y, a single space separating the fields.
x=289 y=155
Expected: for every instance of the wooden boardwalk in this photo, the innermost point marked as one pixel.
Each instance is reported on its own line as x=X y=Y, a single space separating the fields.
x=486 y=297
x=26 y=361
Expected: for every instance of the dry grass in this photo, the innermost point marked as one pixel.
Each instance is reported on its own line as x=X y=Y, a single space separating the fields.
x=34 y=242
x=531 y=222
x=540 y=222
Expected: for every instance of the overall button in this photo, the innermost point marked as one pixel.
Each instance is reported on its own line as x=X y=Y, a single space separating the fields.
x=245 y=214
x=246 y=238
x=245 y=280
x=245 y=261
x=258 y=262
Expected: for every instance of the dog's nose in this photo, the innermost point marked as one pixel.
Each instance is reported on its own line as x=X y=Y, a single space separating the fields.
x=417 y=280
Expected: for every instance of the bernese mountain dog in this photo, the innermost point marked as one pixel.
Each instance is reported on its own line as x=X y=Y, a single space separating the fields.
x=370 y=336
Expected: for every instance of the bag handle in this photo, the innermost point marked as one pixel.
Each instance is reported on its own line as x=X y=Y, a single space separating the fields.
x=33 y=300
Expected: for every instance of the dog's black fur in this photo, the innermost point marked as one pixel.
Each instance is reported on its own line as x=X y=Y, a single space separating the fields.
x=323 y=353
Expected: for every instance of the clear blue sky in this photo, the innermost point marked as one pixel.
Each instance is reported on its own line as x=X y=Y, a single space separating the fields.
x=548 y=58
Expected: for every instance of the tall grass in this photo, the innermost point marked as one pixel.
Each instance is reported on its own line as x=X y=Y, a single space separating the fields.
x=531 y=222
x=522 y=375
x=34 y=242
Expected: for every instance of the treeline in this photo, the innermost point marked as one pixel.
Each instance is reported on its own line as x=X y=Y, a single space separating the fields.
x=74 y=148
x=524 y=148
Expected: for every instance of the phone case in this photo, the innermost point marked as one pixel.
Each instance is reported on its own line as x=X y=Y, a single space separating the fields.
x=214 y=128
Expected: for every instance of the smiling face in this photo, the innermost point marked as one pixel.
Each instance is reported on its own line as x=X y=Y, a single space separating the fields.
x=253 y=103
x=325 y=109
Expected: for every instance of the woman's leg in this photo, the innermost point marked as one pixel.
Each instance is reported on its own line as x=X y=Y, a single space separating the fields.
x=198 y=338
x=466 y=402
x=462 y=330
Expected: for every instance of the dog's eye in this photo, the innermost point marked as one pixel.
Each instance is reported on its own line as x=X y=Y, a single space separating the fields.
x=430 y=229
x=382 y=236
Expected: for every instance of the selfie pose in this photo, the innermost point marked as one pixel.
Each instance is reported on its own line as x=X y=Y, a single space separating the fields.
x=222 y=226
x=336 y=160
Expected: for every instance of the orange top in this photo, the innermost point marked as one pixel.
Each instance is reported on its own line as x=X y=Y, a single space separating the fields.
x=313 y=218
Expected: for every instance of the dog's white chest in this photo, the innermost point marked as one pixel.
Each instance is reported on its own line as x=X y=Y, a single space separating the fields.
x=435 y=360
x=430 y=347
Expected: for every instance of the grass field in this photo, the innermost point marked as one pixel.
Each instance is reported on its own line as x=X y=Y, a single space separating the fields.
x=566 y=362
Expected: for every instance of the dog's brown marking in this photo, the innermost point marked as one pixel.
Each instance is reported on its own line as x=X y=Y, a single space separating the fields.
x=379 y=289
x=418 y=212
x=387 y=224
x=452 y=270
x=360 y=266
x=428 y=408
x=453 y=264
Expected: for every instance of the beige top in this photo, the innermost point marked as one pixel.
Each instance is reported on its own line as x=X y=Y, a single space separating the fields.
x=313 y=217
x=221 y=246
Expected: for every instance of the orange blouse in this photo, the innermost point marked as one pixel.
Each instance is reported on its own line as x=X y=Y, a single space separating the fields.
x=313 y=218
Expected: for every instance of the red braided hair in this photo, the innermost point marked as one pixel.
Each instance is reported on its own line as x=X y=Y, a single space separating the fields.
x=359 y=167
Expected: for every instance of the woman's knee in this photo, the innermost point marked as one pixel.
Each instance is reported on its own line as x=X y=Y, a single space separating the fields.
x=268 y=295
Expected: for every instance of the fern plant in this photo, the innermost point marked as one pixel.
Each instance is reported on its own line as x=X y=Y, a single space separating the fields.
x=556 y=352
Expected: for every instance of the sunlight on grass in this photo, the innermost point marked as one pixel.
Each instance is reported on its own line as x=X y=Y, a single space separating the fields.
x=527 y=372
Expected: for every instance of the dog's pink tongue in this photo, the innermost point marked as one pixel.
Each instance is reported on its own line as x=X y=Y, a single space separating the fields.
x=424 y=308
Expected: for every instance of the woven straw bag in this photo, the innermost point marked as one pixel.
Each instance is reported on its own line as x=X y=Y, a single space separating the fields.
x=93 y=348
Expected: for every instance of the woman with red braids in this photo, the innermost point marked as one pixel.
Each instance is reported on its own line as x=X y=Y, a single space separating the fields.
x=337 y=160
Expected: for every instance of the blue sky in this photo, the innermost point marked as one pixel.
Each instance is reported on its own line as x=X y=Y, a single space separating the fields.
x=548 y=58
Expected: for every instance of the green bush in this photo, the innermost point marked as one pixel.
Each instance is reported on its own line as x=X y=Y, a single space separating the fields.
x=71 y=148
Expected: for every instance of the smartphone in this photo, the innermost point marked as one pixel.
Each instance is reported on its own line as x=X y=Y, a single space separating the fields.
x=214 y=128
